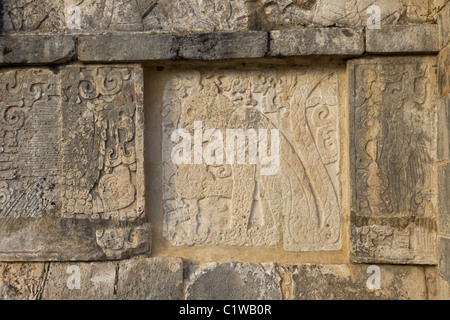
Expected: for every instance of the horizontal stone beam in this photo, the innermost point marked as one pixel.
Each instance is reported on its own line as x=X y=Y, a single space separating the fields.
x=403 y=39
x=120 y=47
x=37 y=49
x=223 y=45
x=141 y=47
x=317 y=41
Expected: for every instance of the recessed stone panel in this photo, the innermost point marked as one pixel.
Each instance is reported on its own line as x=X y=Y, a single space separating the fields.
x=71 y=159
x=280 y=182
x=393 y=149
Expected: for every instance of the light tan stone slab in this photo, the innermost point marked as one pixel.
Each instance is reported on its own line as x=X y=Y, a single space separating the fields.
x=241 y=204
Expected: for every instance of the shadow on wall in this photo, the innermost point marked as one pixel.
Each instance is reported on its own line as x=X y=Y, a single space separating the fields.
x=1 y=18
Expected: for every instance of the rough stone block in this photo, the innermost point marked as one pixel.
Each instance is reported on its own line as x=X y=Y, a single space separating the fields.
x=150 y=279
x=71 y=164
x=36 y=49
x=221 y=191
x=80 y=281
x=226 y=45
x=444 y=257
x=403 y=39
x=444 y=71
x=353 y=282
x=443 y=138
x=135 y=47
x=22 y=281
x=291 y=14
x=233 y=281
x=392 y=116
x=444 y=26
x=444 y=198
x=317 y=41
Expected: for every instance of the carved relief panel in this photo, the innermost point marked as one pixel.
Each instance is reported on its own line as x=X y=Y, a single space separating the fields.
x=392 y=155
x=284 y=189
x=71 y=159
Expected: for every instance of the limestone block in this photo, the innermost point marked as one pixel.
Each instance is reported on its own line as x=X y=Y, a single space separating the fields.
x=404 y=39
x=135 y=47
x=71 y=164
x=36 y=49
x=444 y=26
x=80 y=281
x=248 y=153
x=292 y=14
x=150 y=279
x=233 y=281
x=353 y=282
x=393 y=150
x=444 y=71
x=224 y=45
x=444 y=198
x=444 y=257
x=22 y=281
x=443 y=138
x=317 y=41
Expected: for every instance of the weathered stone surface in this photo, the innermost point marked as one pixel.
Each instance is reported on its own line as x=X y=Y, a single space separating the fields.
x=246 y=200
x=343 y=13
x=444 y=26
x=317 y=41
x=71 y=163
x=136 y=47
x=444 y=257
x=97 y=16
x=444 y=288
x=80 y=281
x=150 y=279
x=404 y=39
x=157 y=16
x=443 y=137
x=36 y=49
x=225 y=45
x=27 y=16
x=444 y=198
x=350 y=282
x=444 y=71
x=22 y=281
x=392 y=114
x=233 y=281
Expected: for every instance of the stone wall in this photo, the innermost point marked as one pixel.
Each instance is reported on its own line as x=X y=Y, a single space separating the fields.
x=338 y=189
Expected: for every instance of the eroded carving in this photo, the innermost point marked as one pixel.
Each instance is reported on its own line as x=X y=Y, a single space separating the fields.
x=160 y=16
x=32 y=15
x=70 y=161
x=393 y=146
x=99 y=129
x=345 y=13
x=236 y=204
